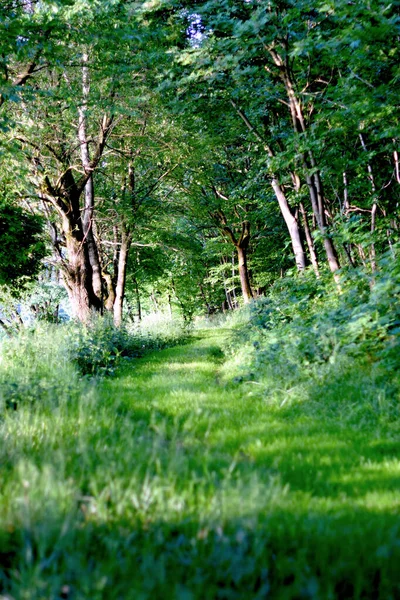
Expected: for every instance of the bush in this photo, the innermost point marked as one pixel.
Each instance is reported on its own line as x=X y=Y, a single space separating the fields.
x=22 y=247
x=96 y=349
x=100 y=347
x=305 y=334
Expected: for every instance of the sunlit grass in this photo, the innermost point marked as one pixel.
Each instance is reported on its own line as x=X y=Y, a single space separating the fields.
x=170 y=481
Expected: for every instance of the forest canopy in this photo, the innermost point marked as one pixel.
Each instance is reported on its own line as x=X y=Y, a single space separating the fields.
x=194 y=152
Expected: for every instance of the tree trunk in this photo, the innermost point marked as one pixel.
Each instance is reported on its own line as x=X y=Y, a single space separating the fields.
x=346 y=204
x=292 y=225
x=121 y=280
x=313 y=180
x=372 y=253
x=310 y=241
x=77 y=276
x=318 y=206
x=396 y=164
x=76 y=268
x=88 y=213
x=347 y=249
x=228 y=295
x=138 y=303
x=233 y=293
x=65 y=196
x=290 y=220
x=170 y=307
x=241 y=246
x=244 y=274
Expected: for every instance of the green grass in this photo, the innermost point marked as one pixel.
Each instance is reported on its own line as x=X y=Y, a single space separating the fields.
x=171 y=481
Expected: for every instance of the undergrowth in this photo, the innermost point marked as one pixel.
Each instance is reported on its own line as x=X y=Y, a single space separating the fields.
x=99 y=348
x=305 y=341
x=35 y=367
x=45 y=363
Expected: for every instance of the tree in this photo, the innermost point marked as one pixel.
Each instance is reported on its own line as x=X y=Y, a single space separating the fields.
x=82 y=102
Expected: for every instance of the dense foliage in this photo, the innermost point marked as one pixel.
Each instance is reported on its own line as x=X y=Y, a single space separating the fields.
x=22 y=246
x=167 y=138
x=304 y=342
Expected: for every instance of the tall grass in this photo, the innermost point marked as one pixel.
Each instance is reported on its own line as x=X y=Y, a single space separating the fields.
x=260 y=465
x=47 y=365
x=163 y=483
x=35 y=365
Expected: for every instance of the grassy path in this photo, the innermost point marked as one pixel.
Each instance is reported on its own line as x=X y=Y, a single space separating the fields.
x=166 y=483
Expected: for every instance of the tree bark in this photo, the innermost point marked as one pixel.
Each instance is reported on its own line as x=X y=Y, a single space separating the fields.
x=244 y=274
x=291 y=224
x=138 y=303
x=228 y=295
x=317 y=202
x=374 y=208
x=241 y=246
x=310 y=241
x=88 y=213
x=121 y=280
x=233 y=293
x=396 y=164
x=346 y=204
x=77 y=275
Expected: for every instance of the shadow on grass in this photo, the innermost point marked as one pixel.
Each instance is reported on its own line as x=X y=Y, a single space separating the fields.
x=167 y=485
x=281 y=554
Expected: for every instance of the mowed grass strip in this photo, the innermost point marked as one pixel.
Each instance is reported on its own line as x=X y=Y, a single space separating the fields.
x=168 y=482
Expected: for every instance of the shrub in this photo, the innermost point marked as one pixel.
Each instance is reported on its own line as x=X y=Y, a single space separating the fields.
x=99 y=347
x=305 y=332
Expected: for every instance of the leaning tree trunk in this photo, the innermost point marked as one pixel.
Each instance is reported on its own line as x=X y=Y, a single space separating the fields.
x=292 y=225
x=311 y=170
x=291 y=222
x=318 y=206
x=310 y=241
